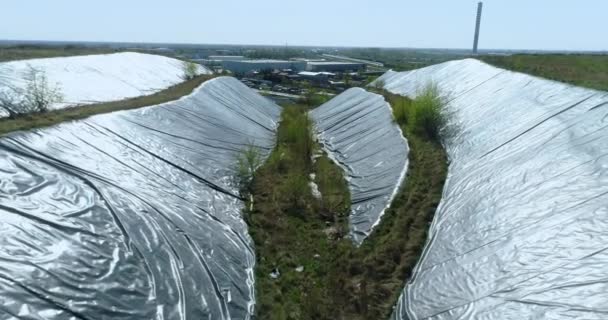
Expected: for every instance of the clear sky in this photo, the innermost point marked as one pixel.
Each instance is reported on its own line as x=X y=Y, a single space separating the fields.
x=506 y=24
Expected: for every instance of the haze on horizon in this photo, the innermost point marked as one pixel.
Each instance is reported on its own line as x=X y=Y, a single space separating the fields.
x=513 y=24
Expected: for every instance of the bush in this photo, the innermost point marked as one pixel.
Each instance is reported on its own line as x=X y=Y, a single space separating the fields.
x=37 y=96
x=297 y=132
x=401 y=108
x=426 y=112
x=379 y=84
x=313 y=96
x=297 y=191
x=190 y=70
x=246 y=163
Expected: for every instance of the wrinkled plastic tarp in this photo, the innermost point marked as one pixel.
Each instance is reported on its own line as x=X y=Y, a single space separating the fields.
x=132 y=215
x=521 y=232
x=357 y=130
x=99 y=78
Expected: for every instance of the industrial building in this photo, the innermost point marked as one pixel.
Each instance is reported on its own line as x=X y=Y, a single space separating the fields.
x=316 y=76
x=227 y=58
x=331 y=66
x=246 y=66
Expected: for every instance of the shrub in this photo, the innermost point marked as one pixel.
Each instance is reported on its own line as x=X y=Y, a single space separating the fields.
x=246 y=163
x=426 y=112
x=190 y=70
x=313 y=97
x=37 y=96
x=379 y=84
x=401 y=108
x=297 y=132
x=297 y=191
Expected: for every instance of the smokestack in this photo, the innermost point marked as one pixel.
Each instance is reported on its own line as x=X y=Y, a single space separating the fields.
x=477 y=24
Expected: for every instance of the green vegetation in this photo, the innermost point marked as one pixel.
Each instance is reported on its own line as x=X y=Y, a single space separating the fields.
x=424 y=114
x=314 y=97
x=190 y=70
x=385 y=260
x=302 y=241
x=279 y=53
x=402 y=59
x=246 y=164
x=582 y=70
x=37 y=96
x=25 y=52
x=49 y=118
x=291 y=228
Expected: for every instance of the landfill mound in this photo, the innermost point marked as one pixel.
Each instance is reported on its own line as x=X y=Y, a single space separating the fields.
x=133 y=214
x=357 y=130
x=98 y=78
x=521 y=229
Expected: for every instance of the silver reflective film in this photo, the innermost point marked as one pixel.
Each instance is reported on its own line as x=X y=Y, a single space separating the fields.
x=521 y=229
x=133 y=214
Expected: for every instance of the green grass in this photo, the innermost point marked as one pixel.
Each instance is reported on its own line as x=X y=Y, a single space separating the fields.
x=582 y=70
x=291 y=228
x=400 y=59
x=390 y=253
x=26 y=52
x=422 y=116
x=45 y=119
x=288 y=223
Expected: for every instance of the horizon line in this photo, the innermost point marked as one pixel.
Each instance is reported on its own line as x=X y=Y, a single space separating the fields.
x=21 y=41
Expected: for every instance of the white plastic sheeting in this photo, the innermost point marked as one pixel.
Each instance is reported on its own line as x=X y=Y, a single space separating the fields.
x=357 y=130
x=99 y=78
x=521 y=232
x=132 y=215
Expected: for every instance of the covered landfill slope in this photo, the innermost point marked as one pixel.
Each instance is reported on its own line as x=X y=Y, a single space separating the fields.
x=132 y=215
x=99 y=78
x=522 y=229
x=357 y=130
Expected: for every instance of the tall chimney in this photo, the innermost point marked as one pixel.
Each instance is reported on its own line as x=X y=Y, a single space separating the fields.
x=477 y=24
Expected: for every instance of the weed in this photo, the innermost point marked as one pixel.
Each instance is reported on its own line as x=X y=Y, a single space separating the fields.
x=247 y=161
x=37 y=96
x=426 y=112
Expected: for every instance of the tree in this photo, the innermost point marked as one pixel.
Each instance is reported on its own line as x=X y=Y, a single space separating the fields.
x=190 y=70
x=37 y=96
x=379 y=84
x=247 y=161
x=347 y=79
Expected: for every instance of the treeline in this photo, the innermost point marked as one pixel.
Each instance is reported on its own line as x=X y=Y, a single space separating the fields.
x=35 y=51
x=278 y=53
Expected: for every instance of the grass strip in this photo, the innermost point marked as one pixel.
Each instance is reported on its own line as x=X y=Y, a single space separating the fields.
x=49 y=118
x=307 y=267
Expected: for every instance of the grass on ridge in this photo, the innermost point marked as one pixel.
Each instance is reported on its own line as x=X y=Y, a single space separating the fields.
x=49 y=118
x=27 y=52
x=578 y=69
x=293 y=229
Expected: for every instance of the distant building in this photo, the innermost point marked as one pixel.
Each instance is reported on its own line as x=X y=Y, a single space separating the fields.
x=335 y=66
x=316 y=76
x=227 y=58
x=246 y=66
x=307 y=59
x=345 y=58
